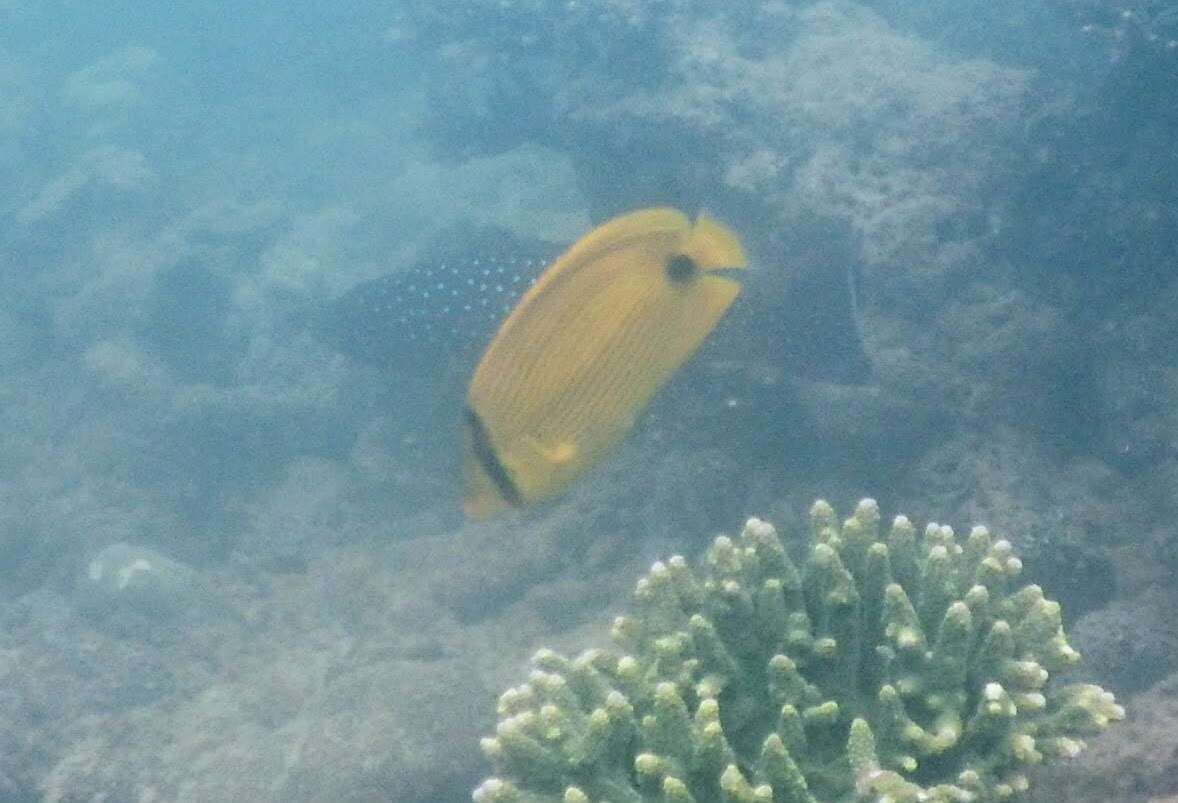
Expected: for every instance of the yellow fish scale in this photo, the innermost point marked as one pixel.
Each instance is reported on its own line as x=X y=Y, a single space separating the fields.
x=586 y=348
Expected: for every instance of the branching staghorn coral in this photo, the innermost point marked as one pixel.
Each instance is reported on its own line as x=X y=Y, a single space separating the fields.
x=895 y=668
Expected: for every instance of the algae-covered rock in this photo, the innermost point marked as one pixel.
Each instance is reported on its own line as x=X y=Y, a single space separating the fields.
x=892 y=667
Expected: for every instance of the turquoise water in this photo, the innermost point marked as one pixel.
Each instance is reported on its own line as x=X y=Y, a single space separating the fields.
x=233 y=563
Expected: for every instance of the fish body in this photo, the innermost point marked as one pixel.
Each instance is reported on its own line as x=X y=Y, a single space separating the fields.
x=425 y=325
x=586 y=347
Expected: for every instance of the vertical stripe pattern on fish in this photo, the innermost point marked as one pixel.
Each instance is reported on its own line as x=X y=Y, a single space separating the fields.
x=585 y=349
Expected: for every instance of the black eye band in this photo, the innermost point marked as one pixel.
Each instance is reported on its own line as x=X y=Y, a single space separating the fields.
x=681 y=268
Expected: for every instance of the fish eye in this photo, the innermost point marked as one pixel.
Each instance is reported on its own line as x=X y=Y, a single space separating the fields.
x=681 y=267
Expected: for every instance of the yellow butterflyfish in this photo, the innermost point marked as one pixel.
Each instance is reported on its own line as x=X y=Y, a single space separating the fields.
x=585 y=349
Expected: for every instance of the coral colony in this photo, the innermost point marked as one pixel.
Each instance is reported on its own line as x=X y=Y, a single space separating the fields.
x=901 y=667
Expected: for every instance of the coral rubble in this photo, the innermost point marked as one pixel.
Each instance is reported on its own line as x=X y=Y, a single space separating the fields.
x=889 y=667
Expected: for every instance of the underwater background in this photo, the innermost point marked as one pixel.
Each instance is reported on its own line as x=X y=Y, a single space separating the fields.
x=233 y=562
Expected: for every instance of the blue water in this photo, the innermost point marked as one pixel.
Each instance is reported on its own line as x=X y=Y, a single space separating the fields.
x=233 y=564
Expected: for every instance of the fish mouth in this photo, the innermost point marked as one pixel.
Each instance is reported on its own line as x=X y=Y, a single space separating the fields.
x=733 y=273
